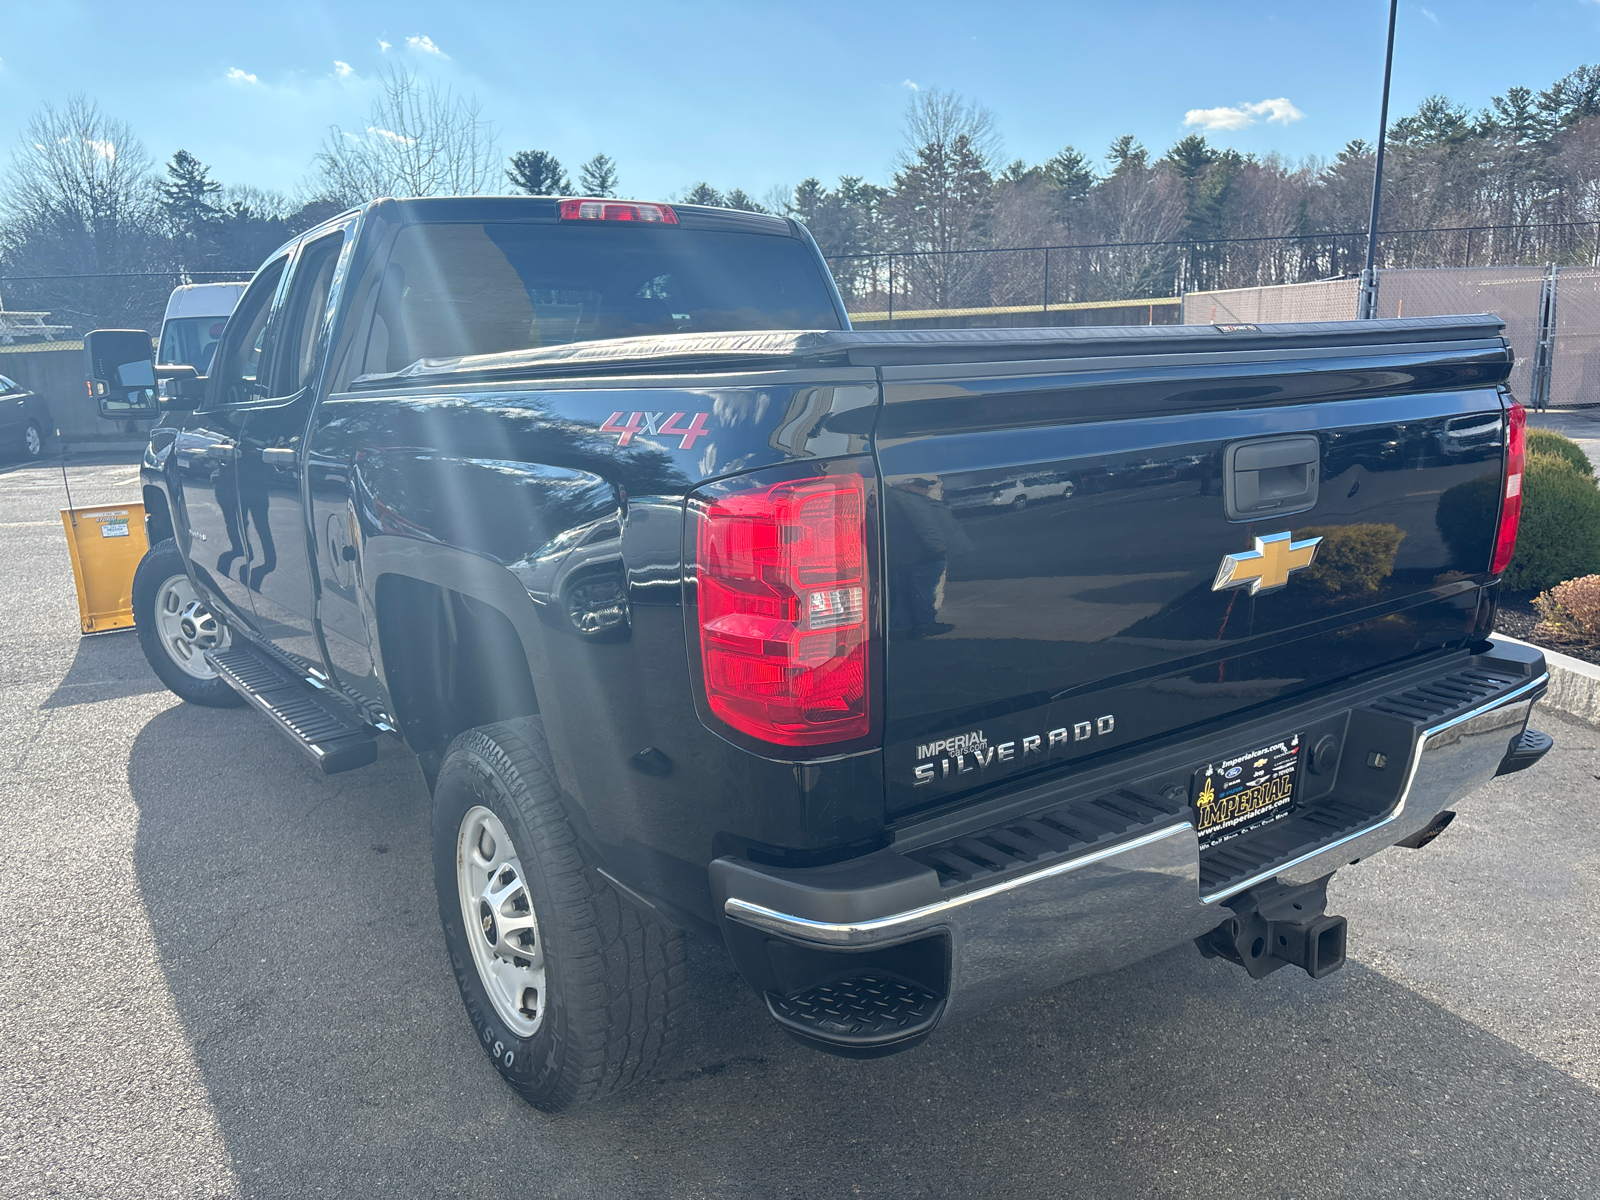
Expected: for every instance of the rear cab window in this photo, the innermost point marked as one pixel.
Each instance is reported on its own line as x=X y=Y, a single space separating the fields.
x=458 y=289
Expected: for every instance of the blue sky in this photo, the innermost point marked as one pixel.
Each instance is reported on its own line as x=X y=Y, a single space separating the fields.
x=750 y=96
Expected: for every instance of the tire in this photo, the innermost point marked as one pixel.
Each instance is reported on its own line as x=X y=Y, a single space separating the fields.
x=175 y=655
x=607 y=978
x=33 y=441
x=1020 y=503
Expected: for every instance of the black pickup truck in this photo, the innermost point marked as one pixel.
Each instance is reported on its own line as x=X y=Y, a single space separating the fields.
x=703 y=613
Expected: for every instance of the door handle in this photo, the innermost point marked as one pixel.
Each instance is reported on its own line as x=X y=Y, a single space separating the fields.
x=278 y=456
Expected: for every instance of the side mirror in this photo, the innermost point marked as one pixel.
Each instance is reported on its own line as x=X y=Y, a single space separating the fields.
x=122 y=373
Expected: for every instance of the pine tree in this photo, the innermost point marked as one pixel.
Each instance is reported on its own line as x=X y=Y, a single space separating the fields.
x=704 y=193
x=187 y=195
x=1071 y=172
x=187 y=199
x=740 y=199
x=538 y=173
x=1127 y=152
x=598 y=177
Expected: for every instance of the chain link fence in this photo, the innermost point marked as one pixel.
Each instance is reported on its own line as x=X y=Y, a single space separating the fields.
x=1575 y=348
x=121 y=299
x=1556 y=304
x=1028 y=282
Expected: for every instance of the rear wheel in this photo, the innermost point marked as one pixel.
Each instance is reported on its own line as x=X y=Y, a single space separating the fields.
x=176 y=629
x=572 y=989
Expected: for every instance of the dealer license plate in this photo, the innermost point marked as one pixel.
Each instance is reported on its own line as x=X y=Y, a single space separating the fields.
x=1243 y=792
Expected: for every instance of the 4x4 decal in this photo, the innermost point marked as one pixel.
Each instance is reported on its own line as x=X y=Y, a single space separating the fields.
x=656 y=424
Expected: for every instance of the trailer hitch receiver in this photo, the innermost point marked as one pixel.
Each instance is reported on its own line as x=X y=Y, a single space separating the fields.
x=1277 y=926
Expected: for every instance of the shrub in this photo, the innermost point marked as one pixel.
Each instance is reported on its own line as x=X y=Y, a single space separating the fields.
x=1353 y=558
x=1548 y=441
x=1571 y=611
x=1560 y=533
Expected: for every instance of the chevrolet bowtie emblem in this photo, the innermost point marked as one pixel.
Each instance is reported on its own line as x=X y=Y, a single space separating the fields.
x=1267 y=567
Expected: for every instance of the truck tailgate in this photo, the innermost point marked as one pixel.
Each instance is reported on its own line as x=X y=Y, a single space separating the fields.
x=1055 y=534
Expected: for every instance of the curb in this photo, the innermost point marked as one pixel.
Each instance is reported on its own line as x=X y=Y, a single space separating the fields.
x=1574 y=684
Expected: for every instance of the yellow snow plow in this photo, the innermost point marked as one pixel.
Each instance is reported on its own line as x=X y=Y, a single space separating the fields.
x=106 y=543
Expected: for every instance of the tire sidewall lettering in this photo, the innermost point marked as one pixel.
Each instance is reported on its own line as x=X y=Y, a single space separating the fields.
x=511 y=1055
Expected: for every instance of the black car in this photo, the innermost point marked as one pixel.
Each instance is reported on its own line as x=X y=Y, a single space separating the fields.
x=24 y=418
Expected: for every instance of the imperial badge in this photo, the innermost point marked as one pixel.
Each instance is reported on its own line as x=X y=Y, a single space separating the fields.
x=1267 y=567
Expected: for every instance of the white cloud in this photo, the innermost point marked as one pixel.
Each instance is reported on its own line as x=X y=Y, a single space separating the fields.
x=343 y=69
x=389 y=135
x=1431 y=16
x=1244 y=116
x=238 y=76
x=383 y=46
x=423 y=44
x=906 y=83
x=106 y=150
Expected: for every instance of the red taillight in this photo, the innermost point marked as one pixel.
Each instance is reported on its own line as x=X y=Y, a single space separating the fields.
x=783 y=601
x=1505 y=542
x=614 y=210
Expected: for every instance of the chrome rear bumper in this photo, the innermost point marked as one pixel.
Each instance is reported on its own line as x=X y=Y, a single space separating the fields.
x=1085 y=915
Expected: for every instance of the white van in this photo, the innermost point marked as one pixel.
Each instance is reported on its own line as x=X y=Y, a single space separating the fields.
x=196 y=313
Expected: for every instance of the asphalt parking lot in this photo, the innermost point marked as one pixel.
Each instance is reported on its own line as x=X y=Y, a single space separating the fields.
x=221 y=974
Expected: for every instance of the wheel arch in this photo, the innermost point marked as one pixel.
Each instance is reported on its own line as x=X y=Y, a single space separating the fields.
x=157 y=515
x=456 y=640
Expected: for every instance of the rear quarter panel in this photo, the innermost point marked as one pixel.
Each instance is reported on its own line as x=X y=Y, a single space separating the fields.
x=546 y=487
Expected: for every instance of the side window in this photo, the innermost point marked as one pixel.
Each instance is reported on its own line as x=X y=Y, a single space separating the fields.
x=247 y=348
x=301 y=316
x=7 y=386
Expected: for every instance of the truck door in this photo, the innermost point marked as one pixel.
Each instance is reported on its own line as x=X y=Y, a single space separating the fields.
x=282 y=581
x=205 y=469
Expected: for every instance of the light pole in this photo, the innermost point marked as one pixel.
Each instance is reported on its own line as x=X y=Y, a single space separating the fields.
x=1368 y=305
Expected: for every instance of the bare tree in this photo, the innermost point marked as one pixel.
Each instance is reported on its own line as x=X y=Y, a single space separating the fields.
x=421 y=139
x=1023 y=214
x=81 y=199
x=1135 y=209
x=944 y=182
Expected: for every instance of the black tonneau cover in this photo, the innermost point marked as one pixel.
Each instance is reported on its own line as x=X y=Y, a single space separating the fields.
x=913 y=347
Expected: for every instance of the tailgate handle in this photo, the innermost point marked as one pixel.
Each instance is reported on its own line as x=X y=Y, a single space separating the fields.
x=1275 y=477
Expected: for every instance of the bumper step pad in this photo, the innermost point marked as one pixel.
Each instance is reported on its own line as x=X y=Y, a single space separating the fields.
x=1525 y=751
x=333 y=738
x=865 y=1015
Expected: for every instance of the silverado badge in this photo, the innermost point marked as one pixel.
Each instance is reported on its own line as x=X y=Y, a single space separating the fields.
x=1268 y=566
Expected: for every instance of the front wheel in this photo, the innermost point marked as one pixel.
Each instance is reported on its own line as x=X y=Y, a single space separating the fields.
x=176 y=629
x=572 y=989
